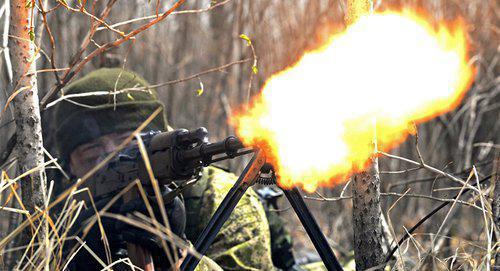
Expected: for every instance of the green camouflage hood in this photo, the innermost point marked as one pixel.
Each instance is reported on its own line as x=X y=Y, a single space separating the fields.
x=94 y=109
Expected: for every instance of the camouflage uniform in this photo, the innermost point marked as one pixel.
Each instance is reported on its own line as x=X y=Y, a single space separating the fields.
x=244 y=241
x=207 y=264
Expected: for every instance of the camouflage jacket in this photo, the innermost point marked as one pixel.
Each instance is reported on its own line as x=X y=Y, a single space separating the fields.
x=207 y=264
x=244 y=241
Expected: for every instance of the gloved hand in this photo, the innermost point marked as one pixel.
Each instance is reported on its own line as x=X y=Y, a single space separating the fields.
x=120 y=233
x=176 y=217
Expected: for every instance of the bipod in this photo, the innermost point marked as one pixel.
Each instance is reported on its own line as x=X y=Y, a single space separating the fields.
x=255 y=171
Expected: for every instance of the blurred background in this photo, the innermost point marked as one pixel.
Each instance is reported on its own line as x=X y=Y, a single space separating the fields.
x=281 y=31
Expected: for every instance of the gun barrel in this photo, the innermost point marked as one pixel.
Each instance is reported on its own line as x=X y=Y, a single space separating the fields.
x=228 y=146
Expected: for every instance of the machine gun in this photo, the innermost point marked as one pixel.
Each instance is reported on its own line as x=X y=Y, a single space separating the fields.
x=177 y=155
x=180 y=155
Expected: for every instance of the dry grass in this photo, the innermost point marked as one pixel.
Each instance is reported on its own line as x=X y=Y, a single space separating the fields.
x=458 y=148
x=47 y=252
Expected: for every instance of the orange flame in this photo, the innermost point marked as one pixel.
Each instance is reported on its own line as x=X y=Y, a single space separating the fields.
x=316 y=119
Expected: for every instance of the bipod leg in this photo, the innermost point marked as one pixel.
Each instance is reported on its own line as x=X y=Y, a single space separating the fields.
x=313 y=231
x=207 y=236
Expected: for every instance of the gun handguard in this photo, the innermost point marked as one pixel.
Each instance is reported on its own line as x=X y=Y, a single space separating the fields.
x=180 y=154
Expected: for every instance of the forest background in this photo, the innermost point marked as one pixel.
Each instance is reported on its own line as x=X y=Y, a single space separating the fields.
x=204 y=69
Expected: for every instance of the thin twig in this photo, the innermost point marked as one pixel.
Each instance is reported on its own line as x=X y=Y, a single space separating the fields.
x=190 y=11
x=425 y=218
x=432 y=169
x=68 y=97
x=78 y=66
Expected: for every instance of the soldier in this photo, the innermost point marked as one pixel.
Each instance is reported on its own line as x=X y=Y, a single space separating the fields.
x=90 y=125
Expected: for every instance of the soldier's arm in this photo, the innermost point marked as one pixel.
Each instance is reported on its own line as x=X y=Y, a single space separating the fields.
x=244 y=241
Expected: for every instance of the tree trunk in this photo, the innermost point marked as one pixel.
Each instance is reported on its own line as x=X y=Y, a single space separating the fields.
x=368 y=242
x=368 y=250
x=356 y=9
x=26 y=109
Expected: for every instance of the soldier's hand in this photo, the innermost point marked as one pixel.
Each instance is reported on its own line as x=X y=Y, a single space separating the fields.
x=176 y=218
x=119 y=232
